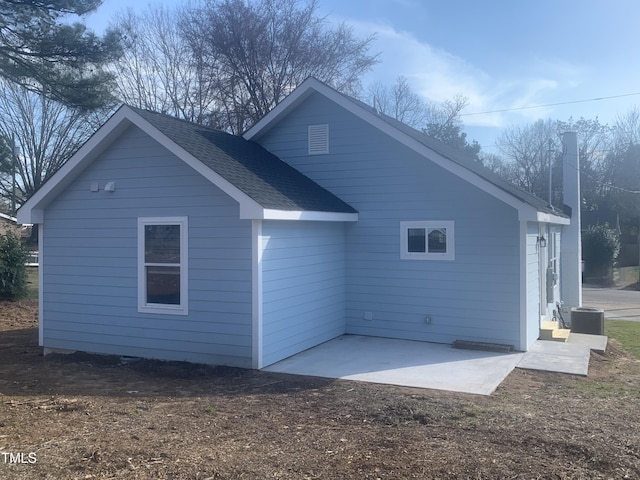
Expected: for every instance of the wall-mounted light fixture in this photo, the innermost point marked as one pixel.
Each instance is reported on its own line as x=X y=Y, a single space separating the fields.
x=542 y=241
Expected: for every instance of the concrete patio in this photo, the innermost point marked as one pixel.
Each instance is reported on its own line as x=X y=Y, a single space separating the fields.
x=430 y=365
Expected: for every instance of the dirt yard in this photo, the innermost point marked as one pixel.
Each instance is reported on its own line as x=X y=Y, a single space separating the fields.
x=91 y=417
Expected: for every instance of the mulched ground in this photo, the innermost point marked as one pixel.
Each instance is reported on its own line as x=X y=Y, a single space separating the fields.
x=93 y=417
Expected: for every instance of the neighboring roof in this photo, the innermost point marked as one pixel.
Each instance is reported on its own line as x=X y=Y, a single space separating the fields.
x=7 y=223
x=265 y=186
x=8 y=218
x=450 y=158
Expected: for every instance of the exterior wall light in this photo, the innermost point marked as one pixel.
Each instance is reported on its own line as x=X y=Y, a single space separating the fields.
x=542 y=241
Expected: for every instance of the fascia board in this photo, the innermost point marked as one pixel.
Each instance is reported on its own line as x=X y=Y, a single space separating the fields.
x=555 y=219
x=271 y=214
x=531 y=214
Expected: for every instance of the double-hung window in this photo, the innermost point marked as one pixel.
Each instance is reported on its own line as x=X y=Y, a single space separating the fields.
x=162 y=265
x=427 y=240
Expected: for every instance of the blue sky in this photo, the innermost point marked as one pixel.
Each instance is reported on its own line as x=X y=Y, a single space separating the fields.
x=500 y=54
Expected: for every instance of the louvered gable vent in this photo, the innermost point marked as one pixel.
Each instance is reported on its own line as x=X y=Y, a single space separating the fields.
x=318 y=139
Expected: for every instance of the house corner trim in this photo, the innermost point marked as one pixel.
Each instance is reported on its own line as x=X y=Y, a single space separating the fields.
x=523 y=286
x=41 y=268
x=256 y=294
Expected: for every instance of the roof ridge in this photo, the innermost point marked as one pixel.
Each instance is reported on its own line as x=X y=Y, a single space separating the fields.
x=177 y=119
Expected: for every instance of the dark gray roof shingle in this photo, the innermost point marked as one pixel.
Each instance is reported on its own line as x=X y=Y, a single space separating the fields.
x=252 y=169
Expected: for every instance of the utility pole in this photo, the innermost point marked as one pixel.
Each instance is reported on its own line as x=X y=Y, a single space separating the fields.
x=14 y=156
x=550 y=178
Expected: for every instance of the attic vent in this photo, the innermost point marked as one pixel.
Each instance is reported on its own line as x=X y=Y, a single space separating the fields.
x=318 y=139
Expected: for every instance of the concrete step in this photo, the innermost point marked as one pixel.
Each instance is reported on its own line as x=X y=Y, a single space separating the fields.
x=561 y=335
x=550 y=330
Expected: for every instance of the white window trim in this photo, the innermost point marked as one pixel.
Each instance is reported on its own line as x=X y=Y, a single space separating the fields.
x=143 y=306
x=405 y=254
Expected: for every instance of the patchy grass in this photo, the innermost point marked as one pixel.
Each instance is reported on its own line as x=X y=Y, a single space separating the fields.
x=627 y=277
x=32 y=283
x=94 y=417
x=601 y=389
x=625 y=332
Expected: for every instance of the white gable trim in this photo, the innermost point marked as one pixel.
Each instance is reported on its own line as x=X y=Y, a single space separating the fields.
x=33 y=210
x=270 y=214
x=526 y=212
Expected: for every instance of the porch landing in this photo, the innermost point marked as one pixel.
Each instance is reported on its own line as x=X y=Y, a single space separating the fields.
x=430 y=365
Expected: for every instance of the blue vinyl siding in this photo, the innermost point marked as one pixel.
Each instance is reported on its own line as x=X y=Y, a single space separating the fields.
x=474 y=297
x=303 y=269
x=90 y=251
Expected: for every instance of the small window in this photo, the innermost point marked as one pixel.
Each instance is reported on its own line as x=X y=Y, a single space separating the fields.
x=162 y=265
x=427 y=240
x=318 y=139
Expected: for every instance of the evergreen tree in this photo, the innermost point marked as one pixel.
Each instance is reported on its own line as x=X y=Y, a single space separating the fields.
x=40 y=48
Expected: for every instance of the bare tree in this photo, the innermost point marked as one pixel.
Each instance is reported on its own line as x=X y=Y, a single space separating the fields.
x=399 y=102
x=525 y=150
x=441 y=121
x=158 y=70
x=445 y=124
x=627 y=129
x=449 y=112
x=257 y=52
x=595 y=144
x=622 y=184
x=45 y=134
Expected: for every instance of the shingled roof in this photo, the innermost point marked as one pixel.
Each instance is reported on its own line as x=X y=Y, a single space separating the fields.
x=245 y=164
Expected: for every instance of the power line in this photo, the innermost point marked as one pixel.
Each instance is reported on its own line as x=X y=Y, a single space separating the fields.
x=600 y=182
x=610 y=186
x=550 y=104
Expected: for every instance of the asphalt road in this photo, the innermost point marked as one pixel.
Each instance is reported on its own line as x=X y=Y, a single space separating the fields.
x=617 y=304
